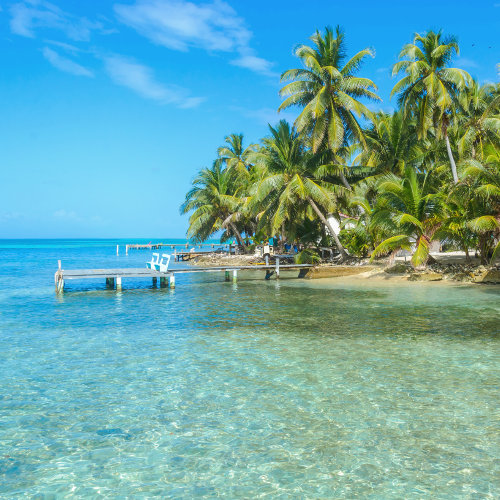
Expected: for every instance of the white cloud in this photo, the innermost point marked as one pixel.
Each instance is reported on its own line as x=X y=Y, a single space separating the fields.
x=255 y=63
x=465 y=63
x=66 y=46
x=180 y=25
x=65 y=64
x=8 y=216
x=66 y=214
x=141 y=80
x=30 y=15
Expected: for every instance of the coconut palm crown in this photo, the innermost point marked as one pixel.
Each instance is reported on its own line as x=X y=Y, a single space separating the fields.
x=430 y=88
x=328 y=91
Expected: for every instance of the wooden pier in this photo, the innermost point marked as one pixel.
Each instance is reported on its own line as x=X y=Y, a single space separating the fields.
x=226 y=247
x=114 y=277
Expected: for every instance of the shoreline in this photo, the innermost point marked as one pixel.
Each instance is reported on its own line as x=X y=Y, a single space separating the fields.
x=447 y=268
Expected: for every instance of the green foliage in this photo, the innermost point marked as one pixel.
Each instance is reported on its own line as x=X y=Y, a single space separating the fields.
x=389 y=182
x=307 y=256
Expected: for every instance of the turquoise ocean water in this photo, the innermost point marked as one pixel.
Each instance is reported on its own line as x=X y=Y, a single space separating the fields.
x=260 y=389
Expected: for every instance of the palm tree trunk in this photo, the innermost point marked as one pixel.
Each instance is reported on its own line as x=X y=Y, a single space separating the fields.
x=344 y=181
x=324 y=220
x=237 y=234
x=450 y=156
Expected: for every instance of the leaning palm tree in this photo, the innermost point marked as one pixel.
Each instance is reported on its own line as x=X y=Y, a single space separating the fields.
x=215 y=202
x=430 y=89
x=328 y=92
x=410 y=212
x=235 y=156
x=289 y=182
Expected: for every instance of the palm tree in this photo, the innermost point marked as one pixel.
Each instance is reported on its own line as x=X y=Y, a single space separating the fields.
x=390 y=143
x=430 y=89
x=328 y=92
x=480 y=189
x=234 y=155
x=215 y=202
x=480 y=119
x=410 y=212
x=288 y=182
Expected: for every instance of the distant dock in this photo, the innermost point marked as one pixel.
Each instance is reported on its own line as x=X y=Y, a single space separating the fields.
x=225 y=247
x=114 y=277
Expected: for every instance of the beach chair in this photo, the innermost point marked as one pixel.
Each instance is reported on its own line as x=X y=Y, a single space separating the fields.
x=162 y=265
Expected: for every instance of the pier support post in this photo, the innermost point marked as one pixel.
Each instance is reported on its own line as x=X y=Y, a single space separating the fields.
x=126 y=249
x=118 y=283
x=163 y=282
x=235 y=275
x=267 y=260
x=277 y=268
x=110 y=282
x=117 y=249
x=226 y=276
x=172 y=281
x=59 y=284
x=155 y=281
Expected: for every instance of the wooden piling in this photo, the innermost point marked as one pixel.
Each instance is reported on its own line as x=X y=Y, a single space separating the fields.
x=172 y=281
x=226 y=275
x=118 y=282
x=277 y=268
x=235 y=275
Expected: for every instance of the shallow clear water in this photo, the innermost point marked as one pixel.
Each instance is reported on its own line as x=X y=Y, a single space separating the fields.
x=290 y=389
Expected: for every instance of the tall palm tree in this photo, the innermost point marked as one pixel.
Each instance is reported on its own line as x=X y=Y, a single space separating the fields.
x=328 y=92
x=215 y=202
x=289 y=182
x=410 y=212
x=480 y=120
x=234 y=155
x=430 y=89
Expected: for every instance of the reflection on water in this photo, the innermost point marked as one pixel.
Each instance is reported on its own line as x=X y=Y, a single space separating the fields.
x=299 y=389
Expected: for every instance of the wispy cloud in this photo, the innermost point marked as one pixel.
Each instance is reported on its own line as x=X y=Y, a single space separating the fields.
x=9 y=216
x=65 y=64
x=265 y=115
x=254 y=63
x=466 y=63
x=30 y=15
x=66 y=214
x=70 y=216
x=180 y=25
x=141 y=80
x=66 y=46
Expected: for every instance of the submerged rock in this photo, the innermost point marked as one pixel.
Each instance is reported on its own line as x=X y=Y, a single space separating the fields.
x=426 y=276
x=487 y=276
x=336 y=271
x=398 y=268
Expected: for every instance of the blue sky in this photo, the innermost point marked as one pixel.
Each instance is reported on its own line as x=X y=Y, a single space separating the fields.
x=110 y=108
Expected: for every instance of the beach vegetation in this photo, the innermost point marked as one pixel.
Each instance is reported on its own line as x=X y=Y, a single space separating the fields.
x=364 y=183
